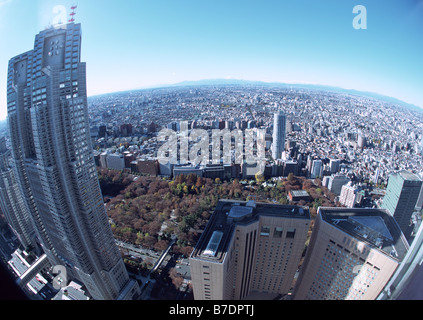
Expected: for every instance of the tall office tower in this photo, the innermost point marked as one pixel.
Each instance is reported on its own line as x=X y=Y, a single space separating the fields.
x=334 y=165
x=401 y=198
x=249 y=250
x=279 y=134
x=52 y=152
x=352 y=255
x=12 y=202
x=316 y=169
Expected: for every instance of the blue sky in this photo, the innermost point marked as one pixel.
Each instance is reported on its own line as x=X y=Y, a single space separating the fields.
x=133 y=44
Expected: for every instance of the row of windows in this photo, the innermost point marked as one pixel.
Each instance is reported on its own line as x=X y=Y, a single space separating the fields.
x=63 y=85
x=207 y=287
x=277 y=232
x=341 y=274
x=268 y=273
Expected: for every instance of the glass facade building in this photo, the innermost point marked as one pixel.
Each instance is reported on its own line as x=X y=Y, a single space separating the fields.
x=401 y=197
x=279 y=135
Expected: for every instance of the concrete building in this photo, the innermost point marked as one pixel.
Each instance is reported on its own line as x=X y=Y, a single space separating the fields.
x=72 y=292
x=290 y=166
x=352 y=255
x=361 y=141
x=297 y=195
x=214 y=171
x=52 y=154
x=349 y=195
x=336 y=182
x=146 y=166
x=29 y=274
x=187 y=170
x=128 y=158
x=249 y=250
x=103 y=159
x=115 y=161
x=401 y=197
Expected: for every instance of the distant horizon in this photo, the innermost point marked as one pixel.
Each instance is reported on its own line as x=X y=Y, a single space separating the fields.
x=324 y=87
x=327 y=88
x=140 y=44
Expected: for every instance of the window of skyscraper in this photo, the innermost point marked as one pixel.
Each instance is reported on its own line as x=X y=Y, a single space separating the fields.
x=277 y=233
x=265 y=231
x=290 y=233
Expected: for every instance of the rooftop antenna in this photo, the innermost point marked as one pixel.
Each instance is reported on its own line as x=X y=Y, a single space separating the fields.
x=72 y=14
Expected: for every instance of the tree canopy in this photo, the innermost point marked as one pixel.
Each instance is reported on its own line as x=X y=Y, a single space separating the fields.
x=147 y=211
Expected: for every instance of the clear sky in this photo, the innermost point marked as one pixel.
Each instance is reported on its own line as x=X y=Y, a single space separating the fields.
x=130 y=44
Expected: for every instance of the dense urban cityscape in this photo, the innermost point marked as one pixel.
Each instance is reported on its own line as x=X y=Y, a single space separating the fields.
x=355 y=142
x=222 y=190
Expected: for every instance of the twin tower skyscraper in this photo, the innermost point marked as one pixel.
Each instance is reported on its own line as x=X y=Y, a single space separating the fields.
x=53 y=164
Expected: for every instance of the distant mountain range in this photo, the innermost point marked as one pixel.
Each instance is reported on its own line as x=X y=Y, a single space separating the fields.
x=217 y=82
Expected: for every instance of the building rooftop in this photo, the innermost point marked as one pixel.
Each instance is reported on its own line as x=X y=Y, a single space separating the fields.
x=299 y=193
x=73 y=291
x=406 y=175
x=228 y=213
x=376 y=227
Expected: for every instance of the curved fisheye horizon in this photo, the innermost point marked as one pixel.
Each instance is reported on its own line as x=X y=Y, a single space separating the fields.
x=241 y=82
x=371 y=47
x=211 y=150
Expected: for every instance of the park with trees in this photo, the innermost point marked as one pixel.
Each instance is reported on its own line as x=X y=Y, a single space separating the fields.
x=147 y=211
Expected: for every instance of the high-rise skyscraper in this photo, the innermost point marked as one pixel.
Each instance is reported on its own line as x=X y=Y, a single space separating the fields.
x=352 y=255
x=279 y=134
x=12 y=202
x=401 y=198
x=53 y=157
x=334 y=165
x=249 y=250
x=316 y=169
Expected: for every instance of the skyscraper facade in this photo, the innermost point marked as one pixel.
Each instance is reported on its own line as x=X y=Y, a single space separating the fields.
x=12 y=203
x=279 y=134
x=401 y=197
x=352 y=255
x=334 y=165
x=316 y=169
x=52 y=154
x=249 y=250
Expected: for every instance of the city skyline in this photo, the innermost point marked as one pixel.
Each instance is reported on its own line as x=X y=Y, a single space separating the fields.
x=355 y=139
x=297 y=42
